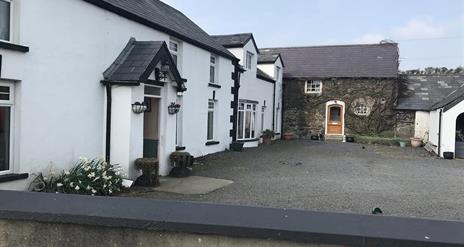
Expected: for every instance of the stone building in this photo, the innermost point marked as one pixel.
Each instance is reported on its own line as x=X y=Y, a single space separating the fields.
x=339 y=90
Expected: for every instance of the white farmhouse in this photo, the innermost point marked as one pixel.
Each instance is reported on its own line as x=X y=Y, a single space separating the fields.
x=76 y=82
x=260 y=93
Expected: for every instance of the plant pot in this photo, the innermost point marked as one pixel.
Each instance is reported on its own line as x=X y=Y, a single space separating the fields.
x=402 y=144
x=315 y=138
x=236 y=146
x=349 y=139
x=448 y=155
x=267 y=140
x=288 y=136
x=416 y=142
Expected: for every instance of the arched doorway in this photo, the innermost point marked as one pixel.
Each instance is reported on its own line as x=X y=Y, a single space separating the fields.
x=459 y=136
x=335 y=118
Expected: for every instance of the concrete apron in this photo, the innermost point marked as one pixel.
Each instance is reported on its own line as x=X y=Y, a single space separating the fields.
x=193 y=185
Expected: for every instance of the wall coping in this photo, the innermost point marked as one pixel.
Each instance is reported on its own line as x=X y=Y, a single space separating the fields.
x=235 y=221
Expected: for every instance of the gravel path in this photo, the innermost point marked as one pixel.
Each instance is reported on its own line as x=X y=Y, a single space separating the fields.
x=335 y=177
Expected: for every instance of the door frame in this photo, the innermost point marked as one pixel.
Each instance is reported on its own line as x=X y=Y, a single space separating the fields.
x=327 y=106
x=159 y=98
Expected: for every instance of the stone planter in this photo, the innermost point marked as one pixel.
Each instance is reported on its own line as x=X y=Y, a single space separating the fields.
x=182 y=163
x=288 y=136
x=150 y=172
x=416 y=142
x=267 y=140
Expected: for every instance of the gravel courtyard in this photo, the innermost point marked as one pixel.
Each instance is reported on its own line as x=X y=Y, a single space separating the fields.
x=335 y=177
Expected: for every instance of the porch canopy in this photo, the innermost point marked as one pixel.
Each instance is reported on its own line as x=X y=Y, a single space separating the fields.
x=138 y=60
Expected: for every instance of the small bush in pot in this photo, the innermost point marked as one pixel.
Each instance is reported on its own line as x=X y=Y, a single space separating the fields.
x=267 y=136
x=150 y=171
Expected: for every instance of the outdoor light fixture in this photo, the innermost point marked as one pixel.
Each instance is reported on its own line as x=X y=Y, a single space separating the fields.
x=173 y=108
x=139 y=108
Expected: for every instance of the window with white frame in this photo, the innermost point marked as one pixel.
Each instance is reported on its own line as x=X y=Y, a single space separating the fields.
x=361 y=110
x=175 y=50
x=248 y=59
x=6 y=126
x=5 y=20
x=246 y=121
x=211 y=114
x=213 y=64
x=313 y=87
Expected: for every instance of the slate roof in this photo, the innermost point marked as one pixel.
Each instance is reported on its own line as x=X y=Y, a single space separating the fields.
x=267 y=56
x=235 y=40
x=138 y=60
x=450 y=100
x=374 y=61
x=165 y=18
x=422 y=92
x=262 y=75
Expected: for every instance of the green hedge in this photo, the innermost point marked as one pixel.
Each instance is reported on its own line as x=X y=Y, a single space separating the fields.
x=387 y=141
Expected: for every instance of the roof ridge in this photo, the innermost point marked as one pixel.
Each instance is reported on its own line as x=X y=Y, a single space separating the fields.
x=217 y=35
x=316 y=46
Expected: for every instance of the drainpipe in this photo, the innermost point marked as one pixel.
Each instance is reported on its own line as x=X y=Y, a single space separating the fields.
x=439 y=132
x=235 y=90
x=273 y=107
x=108 y=122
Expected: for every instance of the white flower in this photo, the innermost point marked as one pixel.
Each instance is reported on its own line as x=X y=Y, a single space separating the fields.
x=104 y=186
x=88 y=187
x=117 y=173
x=110 y=191
x=72 y=184
x=77 y=187
x=86 y=168
x=91 y=175
x=66 y=173
x=94 y=191
x=96 y=179
x=59 y=184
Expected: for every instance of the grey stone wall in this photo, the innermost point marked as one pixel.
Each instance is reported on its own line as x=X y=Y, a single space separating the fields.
x=405 y=123
x=304 y=114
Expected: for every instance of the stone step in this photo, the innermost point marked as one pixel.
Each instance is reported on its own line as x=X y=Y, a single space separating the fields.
x=333 y=137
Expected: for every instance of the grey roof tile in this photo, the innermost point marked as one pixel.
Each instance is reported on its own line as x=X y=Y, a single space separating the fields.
x=165 y=18
x=233 y=40
x=450 y=100
x=375 y=60
x=421 y=92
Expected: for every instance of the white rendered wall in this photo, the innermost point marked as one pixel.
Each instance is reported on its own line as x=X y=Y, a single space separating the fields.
x=421 y=125
x=449 y=128
x=434 y=129
x=60 y=100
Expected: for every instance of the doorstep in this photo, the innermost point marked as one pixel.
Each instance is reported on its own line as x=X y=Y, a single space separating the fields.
x=193 y=185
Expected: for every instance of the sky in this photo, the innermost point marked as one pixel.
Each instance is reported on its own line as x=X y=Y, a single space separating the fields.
x=430 y=33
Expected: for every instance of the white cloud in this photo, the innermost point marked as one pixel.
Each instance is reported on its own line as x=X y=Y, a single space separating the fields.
x=419 y=29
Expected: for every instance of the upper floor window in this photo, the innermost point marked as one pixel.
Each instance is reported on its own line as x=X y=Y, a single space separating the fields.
x=5 y=20
x=213 y=69
x=174 y=49
x=361 y=110
x=313 y=87
x=248 y=59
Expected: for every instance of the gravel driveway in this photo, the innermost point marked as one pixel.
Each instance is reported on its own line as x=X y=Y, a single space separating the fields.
x=335 y=177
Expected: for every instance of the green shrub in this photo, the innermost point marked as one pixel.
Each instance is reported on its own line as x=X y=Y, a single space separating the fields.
x=268 y=134
x=87 y=177
x=387 y=141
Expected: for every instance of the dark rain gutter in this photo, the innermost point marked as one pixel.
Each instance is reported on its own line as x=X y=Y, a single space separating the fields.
x=439 y=132
x=108 y=121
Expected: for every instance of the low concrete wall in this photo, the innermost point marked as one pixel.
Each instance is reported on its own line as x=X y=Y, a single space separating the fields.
x=33 y=234
x=39 y=219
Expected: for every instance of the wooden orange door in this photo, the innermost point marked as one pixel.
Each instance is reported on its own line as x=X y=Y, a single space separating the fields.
x=335 y=120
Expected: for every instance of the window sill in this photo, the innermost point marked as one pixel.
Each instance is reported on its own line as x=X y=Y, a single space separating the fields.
x=180 y=148
x=13 y=47
x=249 y=140
x=214 y=85
x=13 y=177
x=211 y=143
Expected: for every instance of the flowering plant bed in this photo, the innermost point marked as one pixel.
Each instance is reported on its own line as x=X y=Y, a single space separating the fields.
x=87 y=177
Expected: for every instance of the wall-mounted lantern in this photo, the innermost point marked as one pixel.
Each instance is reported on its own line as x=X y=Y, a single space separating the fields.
x=173 y=108
x=139 y=108
x=161 y=74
